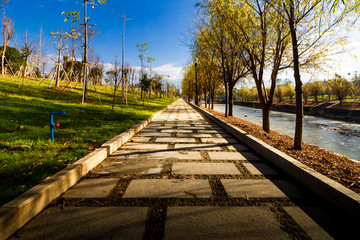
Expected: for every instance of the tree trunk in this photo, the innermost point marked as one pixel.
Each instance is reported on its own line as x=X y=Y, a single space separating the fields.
x=210 y=93
x=212 y=97
x=266 y=118
x=85 y=63
x=3 y=60
x=298 y=83
x=200 y=98
x=205 y=95
x=123 y=88
x=113 y=100
x=226 y=99
x=57 y=80
x=231 y=100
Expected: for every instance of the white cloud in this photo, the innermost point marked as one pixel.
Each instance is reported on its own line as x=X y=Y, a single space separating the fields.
x=174 y=72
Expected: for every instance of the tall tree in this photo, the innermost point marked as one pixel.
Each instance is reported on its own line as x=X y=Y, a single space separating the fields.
x=214 y=35
x=123 y=77
x=115 y=71
x=61 y=38
x=149 y=60
x=75 y=16
x=311 y=21
x=143 y=51
x=39 y=58
x=265 y=41
x=8 y=33
x=341 y=88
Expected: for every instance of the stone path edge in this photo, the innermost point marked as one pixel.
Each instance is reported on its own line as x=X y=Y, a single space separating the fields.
x=329 y=190
x=16 y=213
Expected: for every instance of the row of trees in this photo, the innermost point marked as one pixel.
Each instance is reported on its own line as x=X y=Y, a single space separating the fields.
x=237 y=40
x=338 y=88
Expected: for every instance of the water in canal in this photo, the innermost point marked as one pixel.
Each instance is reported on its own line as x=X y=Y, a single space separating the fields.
x=325 y=133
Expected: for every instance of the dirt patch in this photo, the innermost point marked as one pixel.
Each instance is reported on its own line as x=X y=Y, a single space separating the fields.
x=330 y=164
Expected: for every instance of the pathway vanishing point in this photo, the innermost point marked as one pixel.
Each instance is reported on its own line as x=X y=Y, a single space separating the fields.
x=183 y=177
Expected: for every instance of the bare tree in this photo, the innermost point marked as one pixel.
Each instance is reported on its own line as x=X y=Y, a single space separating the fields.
x=26 y=51
x=75 y=16
x=61 y=38
x=116 y=72
x=149 y=60
x=39 y=55
x=8 y=33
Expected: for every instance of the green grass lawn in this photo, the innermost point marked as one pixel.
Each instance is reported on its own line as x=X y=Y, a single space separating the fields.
x=27 y=154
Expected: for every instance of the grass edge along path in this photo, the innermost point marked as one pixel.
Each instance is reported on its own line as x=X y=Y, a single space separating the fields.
x=27 y=155
x=330 y=164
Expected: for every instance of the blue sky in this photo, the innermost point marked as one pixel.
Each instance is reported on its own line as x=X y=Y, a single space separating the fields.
x=162 y=23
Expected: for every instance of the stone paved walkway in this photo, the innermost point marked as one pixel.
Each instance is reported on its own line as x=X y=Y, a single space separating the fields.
x=182 y=177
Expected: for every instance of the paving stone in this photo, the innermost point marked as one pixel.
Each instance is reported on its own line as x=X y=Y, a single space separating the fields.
x=249 y=156
x=253 y=188
x=205 y=168
x=145 y=146
x=140 y=139
x=238 y=147
x=219 y=140
x=181 y=125
x=200 y=122
x=224 y=135
x=176 y=140
x=168 y=188
x=207 y=125
x=161 y=155
x=192 y=128
x=180 y=155
x=196 y=135
x=153 y=134
x=157 y=128
x=92 y=188
x=210 y=131
x=129 y=167
x=247 y=222
x=197 y=147
x=307 y=224
x=288 y=188
x=233 y=156
x=260 y=169
x=86 y=223
x=177 y=131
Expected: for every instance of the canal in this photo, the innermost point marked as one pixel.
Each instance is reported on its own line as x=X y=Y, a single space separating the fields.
x=337 y=136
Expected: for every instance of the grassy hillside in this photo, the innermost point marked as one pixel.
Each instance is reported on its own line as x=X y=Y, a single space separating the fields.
x=27 y=154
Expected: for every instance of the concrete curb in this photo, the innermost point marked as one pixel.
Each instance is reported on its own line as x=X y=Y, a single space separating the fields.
x=326 y=188
x=22 y=209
